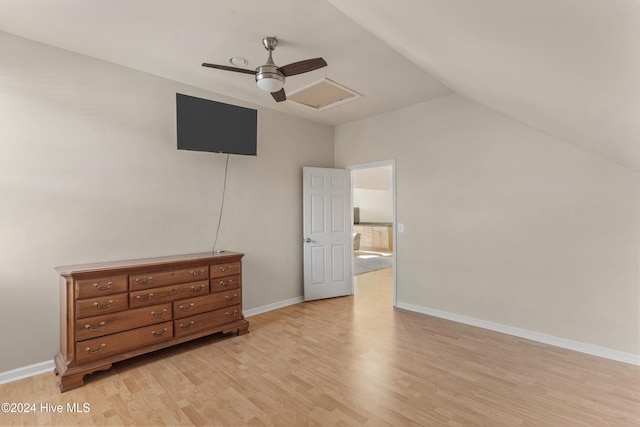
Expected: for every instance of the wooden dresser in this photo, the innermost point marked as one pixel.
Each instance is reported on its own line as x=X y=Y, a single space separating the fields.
x=117 y=310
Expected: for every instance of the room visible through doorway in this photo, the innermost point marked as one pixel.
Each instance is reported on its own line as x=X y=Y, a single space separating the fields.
x=373 y=200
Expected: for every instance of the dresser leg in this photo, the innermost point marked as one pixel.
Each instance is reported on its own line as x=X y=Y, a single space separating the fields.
x=70 y=380
x=244 y=328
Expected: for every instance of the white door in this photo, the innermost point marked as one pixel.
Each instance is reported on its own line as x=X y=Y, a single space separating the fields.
x=327 y=233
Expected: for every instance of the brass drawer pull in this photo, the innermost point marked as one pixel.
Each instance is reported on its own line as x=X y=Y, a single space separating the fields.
x=197 y=288
x=227 y=283
x=97 y=286
x=196 y=274
x=143 y=299
x=183 y=326
x=144 y=282
x=102 y=307
x=225 y=269
x=231 y=297
x=231 y=314
x=102 y=346
x=93 y=329
x=157 y=315
x=183 y=308
x=159 y=334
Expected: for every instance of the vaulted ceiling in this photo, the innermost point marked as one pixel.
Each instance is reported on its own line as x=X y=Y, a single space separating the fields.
x=570 y=68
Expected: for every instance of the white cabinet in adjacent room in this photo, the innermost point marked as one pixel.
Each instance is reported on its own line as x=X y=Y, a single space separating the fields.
x=375 y=236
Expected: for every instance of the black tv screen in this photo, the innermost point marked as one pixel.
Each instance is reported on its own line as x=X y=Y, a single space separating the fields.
x=205 y=125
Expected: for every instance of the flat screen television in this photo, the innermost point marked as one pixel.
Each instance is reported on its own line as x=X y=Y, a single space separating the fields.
x=205 y=125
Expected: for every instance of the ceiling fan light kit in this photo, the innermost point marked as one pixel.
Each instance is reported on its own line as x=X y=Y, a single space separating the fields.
x=269 y=77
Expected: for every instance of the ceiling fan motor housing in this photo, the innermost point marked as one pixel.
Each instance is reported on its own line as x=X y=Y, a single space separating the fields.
x=269 y=78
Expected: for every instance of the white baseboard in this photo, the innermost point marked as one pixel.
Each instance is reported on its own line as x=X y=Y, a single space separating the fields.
x=26 y=371
x=581 y=347
x=633 y=359
x=271 y=307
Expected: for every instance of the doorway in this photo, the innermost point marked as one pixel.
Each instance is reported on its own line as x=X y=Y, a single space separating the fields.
x=374 y=221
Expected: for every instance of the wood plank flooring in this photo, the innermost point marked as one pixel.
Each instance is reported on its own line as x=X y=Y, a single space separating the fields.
x=348 y=361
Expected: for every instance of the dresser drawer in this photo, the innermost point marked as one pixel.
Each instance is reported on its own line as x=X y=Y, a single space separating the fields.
x=101 y=305
x=110 y=345
x=189 y=307
x=202 y=322
x=87 y=288
x=93 y=327
x=222 y=270
x=167 y=293
x=221 y=284
x=167 y=277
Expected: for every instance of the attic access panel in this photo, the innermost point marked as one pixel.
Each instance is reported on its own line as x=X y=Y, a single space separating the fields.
x=323 y=94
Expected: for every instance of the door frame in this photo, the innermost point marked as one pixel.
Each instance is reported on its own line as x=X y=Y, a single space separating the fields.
x=372 y=165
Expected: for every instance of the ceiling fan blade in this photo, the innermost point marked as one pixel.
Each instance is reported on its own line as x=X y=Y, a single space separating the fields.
x=279 y=96
x=302 y=66
x=227 y=68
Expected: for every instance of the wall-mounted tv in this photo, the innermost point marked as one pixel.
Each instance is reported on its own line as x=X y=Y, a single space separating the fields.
x=205 y=125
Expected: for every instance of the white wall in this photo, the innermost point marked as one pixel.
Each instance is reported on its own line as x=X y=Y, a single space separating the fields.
x=508 y=225
x=89 y=171
x=373 y=193
x=375 y=205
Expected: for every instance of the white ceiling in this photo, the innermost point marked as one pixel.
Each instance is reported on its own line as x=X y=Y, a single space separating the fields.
x=570 y=68
x=172 y=38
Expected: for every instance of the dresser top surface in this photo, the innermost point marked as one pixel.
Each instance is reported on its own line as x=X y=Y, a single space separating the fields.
x=144 y=263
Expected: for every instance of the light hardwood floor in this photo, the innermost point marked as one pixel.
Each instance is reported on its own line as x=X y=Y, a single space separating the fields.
x=347 y=361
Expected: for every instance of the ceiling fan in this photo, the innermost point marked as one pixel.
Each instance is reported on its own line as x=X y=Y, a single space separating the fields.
x=269 y=76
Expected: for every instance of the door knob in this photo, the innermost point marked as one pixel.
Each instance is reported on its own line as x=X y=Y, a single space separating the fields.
x=307 y=240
